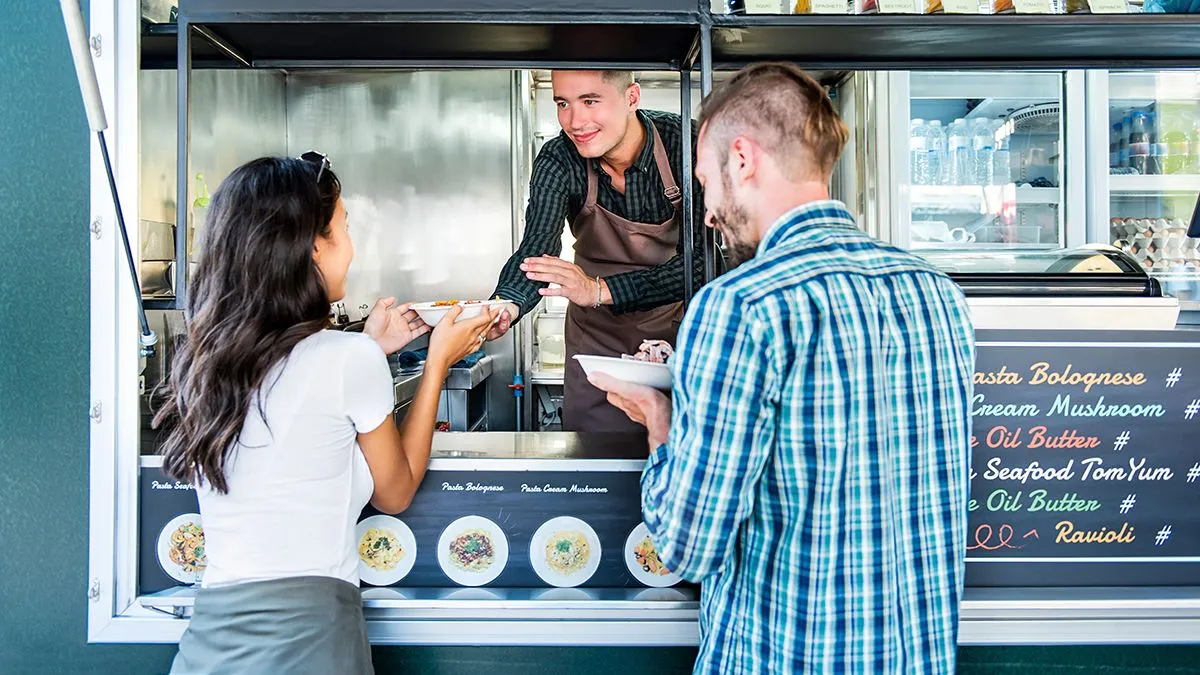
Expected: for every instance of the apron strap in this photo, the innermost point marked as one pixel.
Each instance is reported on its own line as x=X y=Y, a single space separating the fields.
x=670 y=190
x=589 y=202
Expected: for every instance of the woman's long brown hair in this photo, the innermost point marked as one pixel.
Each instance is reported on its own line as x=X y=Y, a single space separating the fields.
x=256 y=293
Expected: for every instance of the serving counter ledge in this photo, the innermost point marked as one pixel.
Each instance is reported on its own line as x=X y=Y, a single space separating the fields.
x=617 y=617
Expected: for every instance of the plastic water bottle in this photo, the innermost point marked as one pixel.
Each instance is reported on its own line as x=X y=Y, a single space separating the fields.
x=983 y=146
x=958 y=146
x=1123 y=151
x=1114 y=146
x=936 y=149
x=1002 y=159
x=918 y=152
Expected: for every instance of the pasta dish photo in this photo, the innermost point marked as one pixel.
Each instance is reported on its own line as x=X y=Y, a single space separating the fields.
x=187 y=548
x=647 y=557
x=472 y=551
x=567 y=552
x=380 y=549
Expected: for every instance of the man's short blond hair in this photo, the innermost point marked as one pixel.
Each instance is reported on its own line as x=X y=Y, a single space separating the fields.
x=785 y=111
x=621 y=79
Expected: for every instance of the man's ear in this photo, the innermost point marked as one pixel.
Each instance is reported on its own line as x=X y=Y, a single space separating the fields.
x=633 y=96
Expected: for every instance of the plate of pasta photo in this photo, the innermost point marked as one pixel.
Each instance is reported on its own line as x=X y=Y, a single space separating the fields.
x=386 y=549
x=472 y=551
x=641 y=557
x=565 y=552
x=181 y=549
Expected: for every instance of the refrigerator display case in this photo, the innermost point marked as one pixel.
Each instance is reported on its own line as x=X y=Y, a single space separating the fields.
x=985 y=160
x=1144 y=153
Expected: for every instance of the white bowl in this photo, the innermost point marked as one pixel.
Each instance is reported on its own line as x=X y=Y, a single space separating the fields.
x=432 y=313
x=657 y=375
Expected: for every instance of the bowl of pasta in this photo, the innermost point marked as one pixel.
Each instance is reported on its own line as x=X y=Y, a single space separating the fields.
x=432 y=313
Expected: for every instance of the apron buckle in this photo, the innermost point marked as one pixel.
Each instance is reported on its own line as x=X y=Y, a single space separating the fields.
x=672 y=193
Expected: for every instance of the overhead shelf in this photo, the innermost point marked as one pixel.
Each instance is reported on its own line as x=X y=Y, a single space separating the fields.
x=160 y=49
x=660 y=35
x=956 y=42
x=643 y=35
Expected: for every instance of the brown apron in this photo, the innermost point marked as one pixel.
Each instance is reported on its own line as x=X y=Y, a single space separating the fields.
x=606 y=244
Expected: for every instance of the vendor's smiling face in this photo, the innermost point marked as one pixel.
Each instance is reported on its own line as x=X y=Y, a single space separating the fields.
x=594 y=112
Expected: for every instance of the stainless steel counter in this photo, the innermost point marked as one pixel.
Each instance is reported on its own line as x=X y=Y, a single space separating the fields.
x=556 y=445
x=405 y=385
x=471 y=377
x=539 y=451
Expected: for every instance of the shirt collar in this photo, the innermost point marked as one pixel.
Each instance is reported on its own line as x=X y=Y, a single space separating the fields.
x=645 y=160
x=826 y=213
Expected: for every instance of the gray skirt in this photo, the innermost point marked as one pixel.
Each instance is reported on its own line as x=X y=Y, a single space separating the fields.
x=293 y=626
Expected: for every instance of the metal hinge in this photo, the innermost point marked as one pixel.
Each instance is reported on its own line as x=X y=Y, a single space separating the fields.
x=96 y=228
x=94 y=590
x=95 y=43
x=94 y=413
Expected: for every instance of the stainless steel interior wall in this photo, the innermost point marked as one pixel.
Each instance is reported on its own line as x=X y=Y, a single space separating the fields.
x=236 y=115
x=426 y=167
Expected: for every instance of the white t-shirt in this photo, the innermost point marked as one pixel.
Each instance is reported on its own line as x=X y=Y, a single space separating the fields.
x=298 y=483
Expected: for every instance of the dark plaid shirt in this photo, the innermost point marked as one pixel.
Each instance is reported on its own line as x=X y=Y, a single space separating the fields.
x=557 y=190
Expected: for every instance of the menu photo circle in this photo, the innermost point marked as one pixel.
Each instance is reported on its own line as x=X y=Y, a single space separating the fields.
x=181 y=550
x=565 y=552
x=386 y=549
x=641 y=558
x=472 y=551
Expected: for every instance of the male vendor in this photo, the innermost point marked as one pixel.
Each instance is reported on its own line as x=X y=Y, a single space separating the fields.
x=614 y=172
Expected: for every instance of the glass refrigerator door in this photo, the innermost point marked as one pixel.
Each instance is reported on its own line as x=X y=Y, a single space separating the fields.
x=984 y=166
x=1154 y=174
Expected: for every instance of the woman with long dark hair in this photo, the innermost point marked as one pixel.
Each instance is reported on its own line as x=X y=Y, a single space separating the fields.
x=286 y=428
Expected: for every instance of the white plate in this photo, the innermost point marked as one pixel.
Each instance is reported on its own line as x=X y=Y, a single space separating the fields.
x=537 y=552
x=432 y=314
x=174 y=570
x=408 y=544
x=657 y=375
x=653 y=580
x=482 y=576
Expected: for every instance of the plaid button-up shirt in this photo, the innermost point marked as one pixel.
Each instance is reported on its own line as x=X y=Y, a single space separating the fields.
x=816 y=477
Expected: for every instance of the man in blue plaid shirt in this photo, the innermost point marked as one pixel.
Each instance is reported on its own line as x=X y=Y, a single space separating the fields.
x=811 y=468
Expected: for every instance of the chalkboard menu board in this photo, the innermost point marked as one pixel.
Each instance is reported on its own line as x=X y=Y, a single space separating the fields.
x=1085 y=460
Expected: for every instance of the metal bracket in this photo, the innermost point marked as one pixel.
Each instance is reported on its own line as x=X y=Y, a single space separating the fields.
x=96 y=228
x=96 y=46
x=176 y=611
x=94 y=590
x=94 y=413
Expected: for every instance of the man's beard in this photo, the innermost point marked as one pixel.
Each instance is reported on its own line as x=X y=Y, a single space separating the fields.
x=733 y=222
